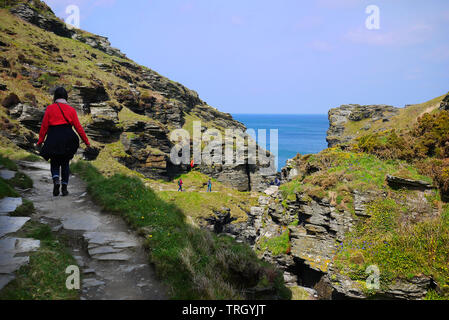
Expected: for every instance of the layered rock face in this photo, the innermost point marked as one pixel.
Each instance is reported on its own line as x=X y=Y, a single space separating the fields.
x=302 y=234
x=341 y=116
x=314 y=241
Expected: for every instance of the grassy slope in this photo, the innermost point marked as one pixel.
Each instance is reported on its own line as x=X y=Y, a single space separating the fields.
x=405 y=119
x=194 y=263
x=197 y=203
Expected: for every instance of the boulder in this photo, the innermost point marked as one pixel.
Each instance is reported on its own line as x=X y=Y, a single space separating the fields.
x=31 y=117
x=171 y=89
x=147 y=152
x=398 y=183
x=98 y=42
x=104 y=126
x=221 y=218
x=445 y=103
x=81 y=97
x=11 y=101
x=403 y=289
x=44 y=19
x=4 y=62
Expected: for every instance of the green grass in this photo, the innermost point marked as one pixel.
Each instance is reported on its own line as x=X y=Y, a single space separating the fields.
x=276 y=245
x=12 y=152
x=8 y=164
x=344 y=171
x=25 y=210
x=21 y=181
x=198 y=204
x=44 y=277
x=194 y=263
x=299 y=293
x=6 y=190
x=399 y=250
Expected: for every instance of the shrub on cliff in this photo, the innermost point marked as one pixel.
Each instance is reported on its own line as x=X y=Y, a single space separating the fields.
x=429 y=137
x=388 y=145
x=438 y=170
x=432 y=134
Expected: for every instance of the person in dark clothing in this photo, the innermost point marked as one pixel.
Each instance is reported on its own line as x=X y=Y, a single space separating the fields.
x=277 y=182
x=61 y=142
x=209 y=186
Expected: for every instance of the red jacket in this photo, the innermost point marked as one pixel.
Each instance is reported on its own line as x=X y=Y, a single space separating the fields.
x=54 y=117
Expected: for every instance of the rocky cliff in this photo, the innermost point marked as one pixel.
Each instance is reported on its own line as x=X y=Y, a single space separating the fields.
x=351 y=121
x=128 y=110
x=344 y=212
x=341 y=120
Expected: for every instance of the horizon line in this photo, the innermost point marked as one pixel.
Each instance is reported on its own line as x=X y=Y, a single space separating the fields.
x=287 y=114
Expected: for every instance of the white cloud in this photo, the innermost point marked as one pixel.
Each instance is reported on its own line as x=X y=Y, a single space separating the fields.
x=439 y=54
x=85 y=3
x=415 y=34
x=237 y=20
x=338 y=4
x=319 y=45
x=309 y=22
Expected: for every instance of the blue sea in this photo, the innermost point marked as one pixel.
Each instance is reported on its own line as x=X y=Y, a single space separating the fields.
x=302 y=134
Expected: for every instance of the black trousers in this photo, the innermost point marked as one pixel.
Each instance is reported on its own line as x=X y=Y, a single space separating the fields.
x=60 y=169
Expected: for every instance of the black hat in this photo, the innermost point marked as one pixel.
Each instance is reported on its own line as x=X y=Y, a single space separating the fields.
x=60 y=93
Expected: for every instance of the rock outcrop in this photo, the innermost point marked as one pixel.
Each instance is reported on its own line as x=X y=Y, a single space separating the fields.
x=104 y=126
x=445 y=103
x=339 y=118
x=81 y=97
x=405 y=289
x=39 y=14
x=398 y=182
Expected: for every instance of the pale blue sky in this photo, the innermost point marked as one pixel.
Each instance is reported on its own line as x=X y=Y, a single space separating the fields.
x=285 y=56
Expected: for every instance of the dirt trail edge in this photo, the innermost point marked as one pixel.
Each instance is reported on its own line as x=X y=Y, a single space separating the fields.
x=110 y=256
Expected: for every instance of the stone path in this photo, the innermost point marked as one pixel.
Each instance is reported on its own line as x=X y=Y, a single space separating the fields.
x=7 y=174
x=13 y=251
x=8 y=205
x=111 y=257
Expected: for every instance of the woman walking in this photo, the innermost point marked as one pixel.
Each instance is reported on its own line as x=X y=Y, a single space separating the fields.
x=62 y=142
